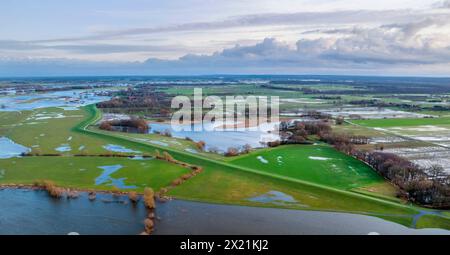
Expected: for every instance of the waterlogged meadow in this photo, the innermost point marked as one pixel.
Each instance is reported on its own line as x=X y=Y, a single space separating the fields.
x=64 y=144
x=98 y=173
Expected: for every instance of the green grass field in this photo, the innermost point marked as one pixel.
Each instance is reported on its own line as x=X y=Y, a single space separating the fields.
x=81 y=172
x=432 y=221
x=320 y=164
x=386 y=123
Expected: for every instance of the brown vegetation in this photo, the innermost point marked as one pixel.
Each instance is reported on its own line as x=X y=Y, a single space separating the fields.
x=168 y=157
x=149 y=198
x=133 y=125
x=133 y=196
x=231 y=152
x=200 y=145
x=51 y=188
x=149 y=225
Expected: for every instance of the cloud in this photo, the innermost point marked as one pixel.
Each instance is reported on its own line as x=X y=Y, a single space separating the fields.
x=267 y=19
x=396 y=47
x=356 y=41
x=397 y=44
x=442 y=4
x=85 y=48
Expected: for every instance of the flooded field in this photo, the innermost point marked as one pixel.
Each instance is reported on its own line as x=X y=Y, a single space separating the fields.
x=221 y=140
x=106 y=179
x=425 y=156
x=371 y=113
x=68 y=100
x=32 y=212
x=437 y=137
x=10 y=149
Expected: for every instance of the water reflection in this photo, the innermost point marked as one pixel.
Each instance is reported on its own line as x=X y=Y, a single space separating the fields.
x=222 y=140
x=31 y=212
x=10 y=149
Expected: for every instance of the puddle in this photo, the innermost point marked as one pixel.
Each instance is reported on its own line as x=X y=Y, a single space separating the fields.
x=10 y=149
x=42 y=116
x=119 y=148
x=319 y=158
x=70 y=108
x=106 y=179
x=191 y=150
x=273 y=197
x=63 y=148
x=140 y=157
x=262 y=160
x=159 y=143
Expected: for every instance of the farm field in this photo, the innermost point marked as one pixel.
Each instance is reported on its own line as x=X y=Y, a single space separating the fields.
x=386 y=123
x=426 y=141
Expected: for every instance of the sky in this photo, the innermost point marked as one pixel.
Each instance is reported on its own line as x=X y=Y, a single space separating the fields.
x=189 y=37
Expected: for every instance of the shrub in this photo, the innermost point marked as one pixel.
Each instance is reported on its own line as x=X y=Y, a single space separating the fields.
x=232 y=151
x=168 y=157
x=148 y=223
x=52 y=189
x=105 y=125
x=133 y=196
x=200 y=145
x=149 y=198
x=274 y=143
x=177 y=182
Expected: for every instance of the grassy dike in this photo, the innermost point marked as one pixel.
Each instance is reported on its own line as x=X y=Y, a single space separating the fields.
x=227 y=183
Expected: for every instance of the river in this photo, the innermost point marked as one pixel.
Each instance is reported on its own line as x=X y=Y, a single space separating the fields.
x=33 y=212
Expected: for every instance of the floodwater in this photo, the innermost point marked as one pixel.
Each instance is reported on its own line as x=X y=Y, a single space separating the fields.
x=10 y=149
x=34 y=212
x=274 y=197
x=105 y=177
x=119 y=148
x=70 y=100
x=221 y=140
x=63 y=148
x=372 y=113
